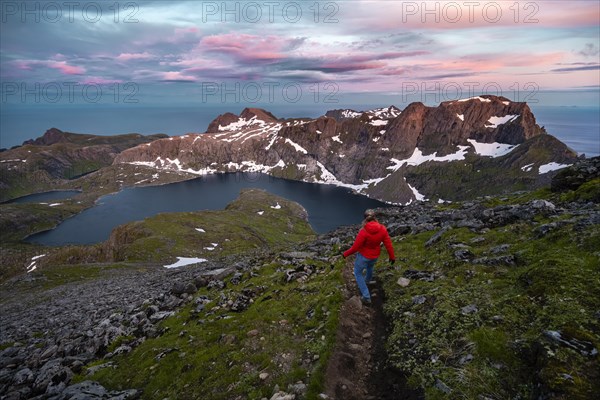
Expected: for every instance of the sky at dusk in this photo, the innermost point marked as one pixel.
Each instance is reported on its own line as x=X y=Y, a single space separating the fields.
x=289 y=53
x=195 y=47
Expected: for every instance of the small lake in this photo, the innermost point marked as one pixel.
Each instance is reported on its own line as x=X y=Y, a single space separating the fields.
x=328 y=206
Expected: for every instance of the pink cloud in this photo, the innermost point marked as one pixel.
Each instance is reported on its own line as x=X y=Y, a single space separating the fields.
x=177 y=76
x=65 y=68
x=453 y=15
x=248 y=47
x=134 y=56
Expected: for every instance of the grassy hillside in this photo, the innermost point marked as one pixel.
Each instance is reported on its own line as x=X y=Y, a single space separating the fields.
x=507 y=312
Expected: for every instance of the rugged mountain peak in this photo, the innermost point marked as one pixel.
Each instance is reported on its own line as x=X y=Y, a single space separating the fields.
x=343 y=114
x=248 y=117
x=222 y=120
x=384 y=112
x=377 y=113
x=494 y=119
x=259 y=114
x=51 y=136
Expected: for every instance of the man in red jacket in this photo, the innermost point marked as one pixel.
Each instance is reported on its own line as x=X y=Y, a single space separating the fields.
x=368 y=245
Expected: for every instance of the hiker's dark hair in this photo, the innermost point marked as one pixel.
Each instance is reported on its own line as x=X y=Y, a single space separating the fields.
x=370 y=215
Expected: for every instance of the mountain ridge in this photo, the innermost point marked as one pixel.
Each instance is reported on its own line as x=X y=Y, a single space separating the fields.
x=358 y=149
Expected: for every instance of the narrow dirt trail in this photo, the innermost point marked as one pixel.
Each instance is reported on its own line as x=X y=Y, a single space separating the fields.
x=358 y=368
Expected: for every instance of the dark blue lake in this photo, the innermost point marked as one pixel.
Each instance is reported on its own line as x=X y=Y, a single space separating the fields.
x=328 y=206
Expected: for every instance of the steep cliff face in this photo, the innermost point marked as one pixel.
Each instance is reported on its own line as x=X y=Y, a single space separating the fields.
x=368 y=151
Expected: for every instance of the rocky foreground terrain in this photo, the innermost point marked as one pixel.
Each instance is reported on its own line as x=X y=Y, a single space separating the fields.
x=493 y=298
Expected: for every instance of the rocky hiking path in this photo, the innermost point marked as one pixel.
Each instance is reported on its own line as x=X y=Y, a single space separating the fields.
x=358 y=368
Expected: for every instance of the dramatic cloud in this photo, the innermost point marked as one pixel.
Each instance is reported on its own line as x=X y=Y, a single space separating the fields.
x=363 y=45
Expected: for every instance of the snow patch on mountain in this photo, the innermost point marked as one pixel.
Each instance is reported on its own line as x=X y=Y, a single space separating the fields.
x=491 y=149
x=483 y=100
x=418 y=196
x=385 y=112
x=527 y=168
x=461 y=116
x=33 y=264
x=418 y=158
x=296 y=146
x=351 y=114
x=183 y=261
x=337 y=139
x=553 y=166
x=378 y=122
x=493 y=122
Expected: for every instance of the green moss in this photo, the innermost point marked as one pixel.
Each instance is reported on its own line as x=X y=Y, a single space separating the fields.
x=491 y=343
x=6 y=345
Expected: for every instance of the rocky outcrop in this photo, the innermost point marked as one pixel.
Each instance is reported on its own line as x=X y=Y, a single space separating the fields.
x=360 y=150
x=572 y=178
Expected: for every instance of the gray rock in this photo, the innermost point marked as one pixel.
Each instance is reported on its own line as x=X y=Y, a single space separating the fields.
x=297 y=255
x=419 y=300
x=420 y=275
x=298 y=388
x=437 y=236
x=545 y=229
x=470 y=309
x=503 y=248
x=52 y=378
x=23 y=376
x=181 y=288
x=159 y=316
x=89 y=389
x=152 y=310
x=509 y=260
x=543 y=205
x=216 y=284
x=403 y=282
x=442 y=386
x=241 y=303
x=237 y=278
x=463 y=254
x=465 y=359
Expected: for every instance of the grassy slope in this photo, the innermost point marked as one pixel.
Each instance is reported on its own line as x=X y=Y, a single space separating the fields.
x=555 y=285
x=216 y=358
x=161 y=238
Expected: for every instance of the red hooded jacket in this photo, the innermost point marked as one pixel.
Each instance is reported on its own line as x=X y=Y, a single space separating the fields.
x=368 y=241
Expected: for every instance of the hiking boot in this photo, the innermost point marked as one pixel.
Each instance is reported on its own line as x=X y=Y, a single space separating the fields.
x=365 y=301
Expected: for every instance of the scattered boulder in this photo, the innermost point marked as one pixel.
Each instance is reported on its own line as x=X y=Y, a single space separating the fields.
x=404 y=282
x=470 y=309
x=52 y=378
x=180 y=288
x=463 y=255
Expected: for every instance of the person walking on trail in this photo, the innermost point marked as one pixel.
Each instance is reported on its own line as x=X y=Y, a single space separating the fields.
x=368 y=247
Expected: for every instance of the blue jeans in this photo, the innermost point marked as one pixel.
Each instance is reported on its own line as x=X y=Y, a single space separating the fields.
x=362 y=264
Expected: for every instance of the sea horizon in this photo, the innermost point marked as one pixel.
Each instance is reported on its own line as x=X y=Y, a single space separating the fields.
x=575 y=125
